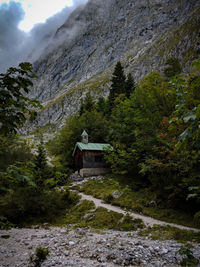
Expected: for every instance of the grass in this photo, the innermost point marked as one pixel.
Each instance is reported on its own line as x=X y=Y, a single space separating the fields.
x=84 y=214
x=158 y=232
x=136 y=201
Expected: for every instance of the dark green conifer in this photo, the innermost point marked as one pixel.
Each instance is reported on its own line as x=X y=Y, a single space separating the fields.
x=172 y=68
x=87 y=105
x=40 y=167
x=129 y=85
x=118 y=83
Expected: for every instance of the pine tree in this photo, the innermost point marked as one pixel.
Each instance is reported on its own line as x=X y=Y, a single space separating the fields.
x=172 y=68
x=129 y=85
x=118 y=83
x=40 y=168
x=87 y=105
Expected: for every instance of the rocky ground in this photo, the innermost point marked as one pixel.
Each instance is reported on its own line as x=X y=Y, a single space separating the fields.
x=87 y=247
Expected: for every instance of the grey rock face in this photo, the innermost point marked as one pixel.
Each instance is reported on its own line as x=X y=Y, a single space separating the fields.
x=140 y=33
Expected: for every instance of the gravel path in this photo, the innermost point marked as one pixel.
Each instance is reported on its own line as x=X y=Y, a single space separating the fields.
x=147 y=220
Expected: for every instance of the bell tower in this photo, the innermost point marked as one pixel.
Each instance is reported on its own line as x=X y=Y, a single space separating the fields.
x=84 y=137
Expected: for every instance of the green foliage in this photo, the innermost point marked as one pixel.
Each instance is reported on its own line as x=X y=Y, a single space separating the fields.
x=128 y=224
x=64 y=142
x=154 y=130
x=26 y=205
x=77 y=213
x=134 y=123
x=88 y=104
x=129 y=85
x=41 y=171
x=5 y=224
x=85 y=214
x=197 y=219
x=189 y=259
x=39 y=256
x=14 y=177
x=136 y=201
x=13 y=149
x=172 y=68
x=121 y=86
x=14 y=105
x=158 y=232
x=118 y=82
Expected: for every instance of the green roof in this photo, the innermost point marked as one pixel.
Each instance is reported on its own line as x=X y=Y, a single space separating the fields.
x=92 y=146
x=84 y=133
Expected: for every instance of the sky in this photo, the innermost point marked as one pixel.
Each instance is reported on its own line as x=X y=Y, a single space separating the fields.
x=26 y=23
x=36 y=11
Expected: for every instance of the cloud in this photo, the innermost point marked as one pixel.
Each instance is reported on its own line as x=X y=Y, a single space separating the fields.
x=16 y=45
x=10 y=37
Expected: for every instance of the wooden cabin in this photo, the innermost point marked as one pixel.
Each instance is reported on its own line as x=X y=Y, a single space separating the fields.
x=88 y=157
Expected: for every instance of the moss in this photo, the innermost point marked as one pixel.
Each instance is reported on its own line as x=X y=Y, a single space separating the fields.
x=158 y=232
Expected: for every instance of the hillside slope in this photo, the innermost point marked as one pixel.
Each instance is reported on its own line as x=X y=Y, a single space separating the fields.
x=140 y=33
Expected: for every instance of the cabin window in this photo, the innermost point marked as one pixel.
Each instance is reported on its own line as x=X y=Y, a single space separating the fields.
x=98 y=158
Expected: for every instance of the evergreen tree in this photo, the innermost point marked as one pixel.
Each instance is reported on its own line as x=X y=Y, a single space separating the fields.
x=172 y=68
x=118 y=83
x=40 y=168
x=129 y=85
x=88 y=104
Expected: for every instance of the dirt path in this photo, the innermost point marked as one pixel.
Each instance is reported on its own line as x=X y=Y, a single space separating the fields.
x=147 y=220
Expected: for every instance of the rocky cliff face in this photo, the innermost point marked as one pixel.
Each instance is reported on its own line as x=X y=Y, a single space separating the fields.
x=140 y=33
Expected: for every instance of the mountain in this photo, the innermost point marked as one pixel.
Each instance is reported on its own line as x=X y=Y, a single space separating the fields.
x=142 y=34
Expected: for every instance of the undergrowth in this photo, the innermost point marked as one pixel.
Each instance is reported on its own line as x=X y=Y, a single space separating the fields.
x=85 y=214
x=158 y=232
x=136 y=201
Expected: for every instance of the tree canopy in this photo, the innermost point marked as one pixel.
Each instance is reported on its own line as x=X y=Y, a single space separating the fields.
x=15 y=106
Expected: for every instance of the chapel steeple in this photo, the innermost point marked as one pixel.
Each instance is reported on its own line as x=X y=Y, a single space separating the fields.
x=84 y=137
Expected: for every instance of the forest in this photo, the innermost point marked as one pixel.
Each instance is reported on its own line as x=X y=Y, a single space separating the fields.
x=153 y=126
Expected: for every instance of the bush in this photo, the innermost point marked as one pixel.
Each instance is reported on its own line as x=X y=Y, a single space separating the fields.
x=189 y=259
x=137 y=208
x=39 y=257
x=26 y=205
x=128 y=224
x=108 y=198
x=12 y=150
x=5 y=224
x=197 y=219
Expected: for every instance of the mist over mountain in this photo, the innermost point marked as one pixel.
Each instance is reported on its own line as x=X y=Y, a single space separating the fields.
x=16 y=45
x=84 y=50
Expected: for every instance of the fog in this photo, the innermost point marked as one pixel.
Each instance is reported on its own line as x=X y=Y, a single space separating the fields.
x=17 y=46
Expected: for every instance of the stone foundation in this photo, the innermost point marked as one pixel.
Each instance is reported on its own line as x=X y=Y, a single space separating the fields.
x=93 y=171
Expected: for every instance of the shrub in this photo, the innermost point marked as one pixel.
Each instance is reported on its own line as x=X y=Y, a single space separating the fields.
x=197 y=219
x=25 y=205
x=5 y=224
x=39 y=257
x=137 y=208
x=108 y=198
x=189 y=259
x=128 y=224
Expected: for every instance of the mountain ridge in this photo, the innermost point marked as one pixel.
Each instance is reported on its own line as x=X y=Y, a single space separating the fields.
x=95 y=36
